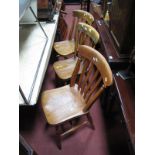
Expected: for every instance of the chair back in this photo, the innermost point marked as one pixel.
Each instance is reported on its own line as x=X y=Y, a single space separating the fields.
x=84 y=16
x=80 y=15
x=95 y=76
x=85 y=35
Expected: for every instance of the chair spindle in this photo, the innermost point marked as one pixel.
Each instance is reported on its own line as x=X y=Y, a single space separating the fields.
x=86 y=63
x=94 y=86
x=91 y=82
x=85 y=80
x=75 y=73
x=92 y=99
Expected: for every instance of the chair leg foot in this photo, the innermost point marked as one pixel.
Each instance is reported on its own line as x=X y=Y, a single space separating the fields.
x=59 y=142
x=46 y=126
x=58 y=138
x=90 y=121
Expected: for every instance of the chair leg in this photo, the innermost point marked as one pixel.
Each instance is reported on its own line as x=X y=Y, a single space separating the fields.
x=65 y=83
x=71 y=123
x=81 y=4
x=90 y=121
x=62 y=128
x=58 y=138
x=46 y=126
x=58 y=82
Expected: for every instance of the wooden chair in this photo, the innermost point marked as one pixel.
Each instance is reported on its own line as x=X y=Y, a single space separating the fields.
x=65 y=48
x=85 y=34
x=61 y=105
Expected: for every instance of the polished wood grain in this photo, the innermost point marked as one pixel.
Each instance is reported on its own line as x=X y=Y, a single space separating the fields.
x=69 y=45
x=117 y=40
x=126 y=95
x=120 y=99
x=108 y=49
x=71 y=101
x=86 y=34
x=122 y=25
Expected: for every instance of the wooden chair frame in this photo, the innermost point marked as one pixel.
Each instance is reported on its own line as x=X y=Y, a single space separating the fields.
x=79 y=16
x=85 y=34
x=96 y=75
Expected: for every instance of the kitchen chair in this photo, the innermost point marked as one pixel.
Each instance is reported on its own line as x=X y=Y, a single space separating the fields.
x=66 y=47
x=85 y=34
x=67 y=103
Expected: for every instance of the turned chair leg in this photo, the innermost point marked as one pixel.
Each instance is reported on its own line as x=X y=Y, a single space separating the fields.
x=58 y=137
x=90 y=121
x=46 y=126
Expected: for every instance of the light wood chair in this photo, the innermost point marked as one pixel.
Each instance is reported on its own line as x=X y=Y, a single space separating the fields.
x=67 y=47
x=61 y=105
x=85 y=34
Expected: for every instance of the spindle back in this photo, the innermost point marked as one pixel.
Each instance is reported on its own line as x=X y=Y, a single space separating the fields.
x=80 y=16
x=96 y=74
x=85 y=35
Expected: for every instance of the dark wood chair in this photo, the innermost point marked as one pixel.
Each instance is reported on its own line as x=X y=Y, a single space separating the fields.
x=73 y=101
x=86 y=35
x=67 y=47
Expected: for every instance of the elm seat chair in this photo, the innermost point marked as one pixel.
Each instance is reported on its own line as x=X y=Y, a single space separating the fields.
x=85 y=34
x=66 y=47
x=66 y=103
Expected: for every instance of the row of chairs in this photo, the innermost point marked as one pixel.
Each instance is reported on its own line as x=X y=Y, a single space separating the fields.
x=83 y=34
x=89 y=75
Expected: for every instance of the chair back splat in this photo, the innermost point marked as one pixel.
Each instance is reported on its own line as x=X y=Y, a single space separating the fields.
x=96 y=75
x=85 y=35
x=67 y=47
x=80 y=16
x=62 y=105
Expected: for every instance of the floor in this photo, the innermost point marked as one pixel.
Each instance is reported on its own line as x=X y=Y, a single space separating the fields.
x=106 y=139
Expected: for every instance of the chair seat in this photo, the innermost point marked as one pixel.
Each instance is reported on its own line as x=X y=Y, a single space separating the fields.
x=62 y=103
x=64 y=47
x=65 y=68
